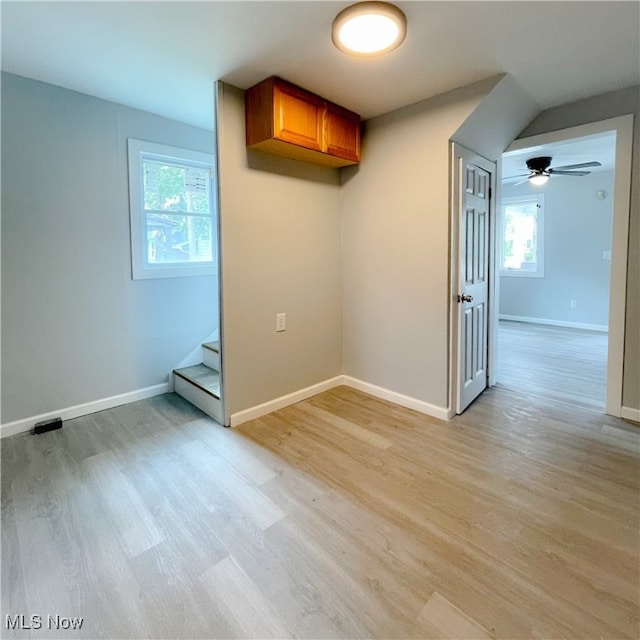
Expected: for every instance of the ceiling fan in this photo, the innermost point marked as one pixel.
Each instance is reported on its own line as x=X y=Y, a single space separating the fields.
x=540 y=170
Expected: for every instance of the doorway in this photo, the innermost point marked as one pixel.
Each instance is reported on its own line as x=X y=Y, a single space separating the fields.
x=554 y=258
x=622 y=128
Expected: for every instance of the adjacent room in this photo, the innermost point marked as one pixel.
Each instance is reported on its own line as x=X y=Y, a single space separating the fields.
x=292 y=343
x=556 y=271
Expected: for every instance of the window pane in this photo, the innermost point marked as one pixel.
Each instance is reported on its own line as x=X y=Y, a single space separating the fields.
x=176 y=238
x=520 y=248
x=173 y=187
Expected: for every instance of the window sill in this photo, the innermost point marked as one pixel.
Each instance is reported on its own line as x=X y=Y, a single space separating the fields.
x=174 y=272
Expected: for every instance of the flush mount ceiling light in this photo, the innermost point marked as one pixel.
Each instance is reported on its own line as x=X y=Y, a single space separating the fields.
x=369 y=29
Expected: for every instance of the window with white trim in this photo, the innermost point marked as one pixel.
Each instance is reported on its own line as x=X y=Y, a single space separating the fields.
x=522 y=237
x=172 y=211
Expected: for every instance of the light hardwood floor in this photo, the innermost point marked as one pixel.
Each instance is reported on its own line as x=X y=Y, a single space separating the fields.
x=342 y=516
x=559 y=363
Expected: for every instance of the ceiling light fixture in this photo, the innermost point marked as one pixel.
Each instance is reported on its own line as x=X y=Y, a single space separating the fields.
x=538 y=179
x=369 y=29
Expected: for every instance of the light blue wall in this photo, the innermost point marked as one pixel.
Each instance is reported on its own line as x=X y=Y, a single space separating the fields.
x=577 y=231
x=76 y=328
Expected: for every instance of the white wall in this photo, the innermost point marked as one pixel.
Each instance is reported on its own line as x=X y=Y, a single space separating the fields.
x=609 y=105
x=75 y=327
x=577 y=231
x=280 y=230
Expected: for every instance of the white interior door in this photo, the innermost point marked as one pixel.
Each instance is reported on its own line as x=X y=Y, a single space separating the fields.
x=473 y=278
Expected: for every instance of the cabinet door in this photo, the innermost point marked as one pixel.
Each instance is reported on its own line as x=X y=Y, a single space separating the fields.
x=342 y=133
x=298 y=117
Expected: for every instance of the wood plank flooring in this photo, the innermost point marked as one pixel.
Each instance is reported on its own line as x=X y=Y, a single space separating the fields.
x=559 y=363
x=342 y=516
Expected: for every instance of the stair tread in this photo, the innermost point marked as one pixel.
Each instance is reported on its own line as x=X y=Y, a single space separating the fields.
x=213 y=346
x=202 y=376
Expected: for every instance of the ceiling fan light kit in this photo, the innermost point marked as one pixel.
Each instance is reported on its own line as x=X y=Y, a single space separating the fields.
x=539 y=179
x=368 y=29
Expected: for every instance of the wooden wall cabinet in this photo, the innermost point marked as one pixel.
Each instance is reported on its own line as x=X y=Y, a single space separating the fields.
x=284 y=119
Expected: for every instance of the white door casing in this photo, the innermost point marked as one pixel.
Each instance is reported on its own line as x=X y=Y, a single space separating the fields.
x=472 y=224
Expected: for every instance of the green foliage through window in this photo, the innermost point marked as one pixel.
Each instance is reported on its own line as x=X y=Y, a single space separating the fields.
x=169 y=186
x=172 y=211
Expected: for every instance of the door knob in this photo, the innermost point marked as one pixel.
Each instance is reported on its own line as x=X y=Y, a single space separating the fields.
x=465 y=298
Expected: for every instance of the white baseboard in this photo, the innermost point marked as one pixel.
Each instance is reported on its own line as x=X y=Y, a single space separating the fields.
x=19 y=426
x=379 y=392
x=284 y=401
x=556 y=323
x=398 y=398
x=629 y=413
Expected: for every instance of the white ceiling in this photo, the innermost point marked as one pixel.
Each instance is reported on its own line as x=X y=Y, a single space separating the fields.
x=164 y=56
x=599 y=148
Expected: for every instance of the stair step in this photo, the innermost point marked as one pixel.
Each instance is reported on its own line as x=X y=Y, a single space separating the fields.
x=212 y=346
x=211 y=354
x=200 y=385
x=202 y=376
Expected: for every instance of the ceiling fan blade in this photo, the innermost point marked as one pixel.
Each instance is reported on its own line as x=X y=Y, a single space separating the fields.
x=520 y=175
x=555 y=172
x=521 y=181
x=576 y=166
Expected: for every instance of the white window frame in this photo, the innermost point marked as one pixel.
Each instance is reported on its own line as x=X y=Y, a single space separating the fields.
x=540 y=236
x=137 y=151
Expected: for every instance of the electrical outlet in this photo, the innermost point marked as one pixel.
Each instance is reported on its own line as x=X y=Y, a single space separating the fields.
x=281 y=321
x=573 y=304
x=606 y=255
